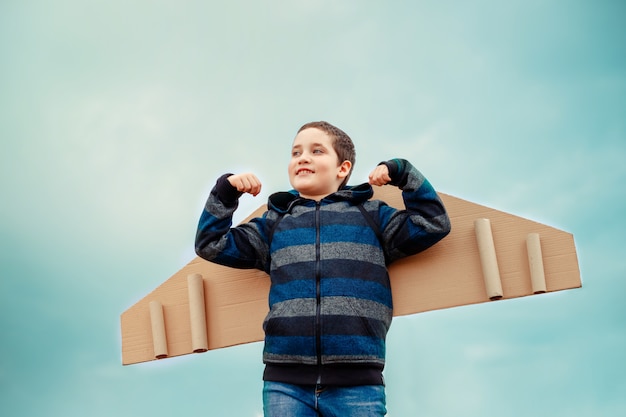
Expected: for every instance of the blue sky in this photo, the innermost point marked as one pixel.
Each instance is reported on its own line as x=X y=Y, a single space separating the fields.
x=117 y=117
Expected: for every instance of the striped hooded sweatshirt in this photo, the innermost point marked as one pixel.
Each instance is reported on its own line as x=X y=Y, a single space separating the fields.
x=330 y=304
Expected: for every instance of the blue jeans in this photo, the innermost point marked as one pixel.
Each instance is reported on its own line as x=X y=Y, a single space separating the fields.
x=288 y=400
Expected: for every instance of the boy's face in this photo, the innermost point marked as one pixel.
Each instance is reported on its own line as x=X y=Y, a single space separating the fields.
x=315 y=170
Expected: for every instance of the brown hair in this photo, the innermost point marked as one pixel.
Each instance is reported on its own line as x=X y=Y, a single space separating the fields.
x=342 y=144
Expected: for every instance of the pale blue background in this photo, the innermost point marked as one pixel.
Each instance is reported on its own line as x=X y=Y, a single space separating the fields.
x=116 y=117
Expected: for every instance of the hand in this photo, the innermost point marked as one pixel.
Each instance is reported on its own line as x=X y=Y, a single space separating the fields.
x=380 y=175
x=245 y=183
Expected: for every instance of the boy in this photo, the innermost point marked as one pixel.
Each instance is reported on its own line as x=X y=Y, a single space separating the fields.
x=325 y=246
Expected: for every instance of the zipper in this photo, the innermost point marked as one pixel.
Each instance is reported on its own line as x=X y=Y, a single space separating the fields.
x=318 y=293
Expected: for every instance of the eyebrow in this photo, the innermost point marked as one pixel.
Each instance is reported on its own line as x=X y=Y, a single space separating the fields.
x=312 y=145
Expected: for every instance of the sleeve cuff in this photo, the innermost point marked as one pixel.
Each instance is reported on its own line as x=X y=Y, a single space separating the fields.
x=226 y=192
x=396 y=170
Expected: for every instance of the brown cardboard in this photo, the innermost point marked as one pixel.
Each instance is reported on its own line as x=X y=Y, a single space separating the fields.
x=449 y=274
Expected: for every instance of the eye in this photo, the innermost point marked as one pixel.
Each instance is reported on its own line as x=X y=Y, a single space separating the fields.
x=295 y=153
x=318 y=150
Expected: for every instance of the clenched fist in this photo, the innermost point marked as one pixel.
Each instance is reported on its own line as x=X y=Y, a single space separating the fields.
x=245 y=183
x=380 y=175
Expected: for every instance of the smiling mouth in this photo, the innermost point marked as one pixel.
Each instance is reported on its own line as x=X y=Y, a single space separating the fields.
x=304 y=171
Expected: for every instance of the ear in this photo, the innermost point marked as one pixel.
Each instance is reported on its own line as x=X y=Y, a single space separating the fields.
x=344 y=169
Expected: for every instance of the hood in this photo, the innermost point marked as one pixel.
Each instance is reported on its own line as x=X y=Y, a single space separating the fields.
x=283 y=201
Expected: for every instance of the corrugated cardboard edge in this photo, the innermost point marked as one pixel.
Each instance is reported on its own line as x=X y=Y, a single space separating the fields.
x=446 y=275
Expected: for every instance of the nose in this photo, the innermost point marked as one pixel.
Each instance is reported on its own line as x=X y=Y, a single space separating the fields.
x=304 y=158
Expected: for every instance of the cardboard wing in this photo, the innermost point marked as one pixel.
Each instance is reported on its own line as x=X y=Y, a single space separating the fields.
x=488 y=255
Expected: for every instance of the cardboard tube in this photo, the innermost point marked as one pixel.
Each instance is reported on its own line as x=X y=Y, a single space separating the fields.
x=535 y=261
x=159 y=338
x=197 y=313
x=488 y=260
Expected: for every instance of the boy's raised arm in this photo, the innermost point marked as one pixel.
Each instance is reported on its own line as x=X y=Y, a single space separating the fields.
x=217 y=241
x=424 y=221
